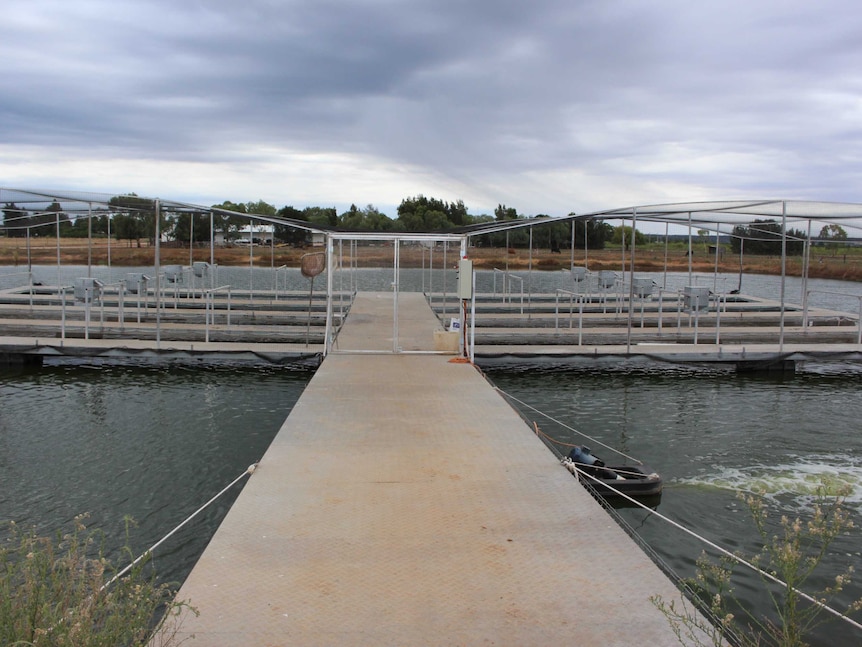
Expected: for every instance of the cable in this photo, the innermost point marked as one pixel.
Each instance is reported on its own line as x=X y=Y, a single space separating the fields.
x=572 y=467
x=249 y=470
x=565 y=426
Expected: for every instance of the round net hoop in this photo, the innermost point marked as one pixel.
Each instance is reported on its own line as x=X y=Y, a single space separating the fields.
x=312 y=264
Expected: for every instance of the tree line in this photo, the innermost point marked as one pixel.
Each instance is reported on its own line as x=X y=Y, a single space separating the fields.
x=764 y=237
x=131 y=218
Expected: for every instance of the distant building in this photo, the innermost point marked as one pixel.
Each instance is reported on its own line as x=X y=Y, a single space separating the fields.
x=250 y=234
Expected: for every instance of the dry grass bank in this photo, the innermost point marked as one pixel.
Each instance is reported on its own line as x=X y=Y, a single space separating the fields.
x=43 y=251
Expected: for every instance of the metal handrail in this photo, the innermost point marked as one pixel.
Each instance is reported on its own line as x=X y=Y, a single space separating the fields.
x=572 y=297
x=29 y=275
x=839 y=294
x=277 y=270
x=209 y=305
x=61 y=292
x=508 y=277
x=3 y=276
x=602 y=285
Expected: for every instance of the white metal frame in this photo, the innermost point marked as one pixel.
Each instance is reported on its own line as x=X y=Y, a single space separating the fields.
x=396 y=239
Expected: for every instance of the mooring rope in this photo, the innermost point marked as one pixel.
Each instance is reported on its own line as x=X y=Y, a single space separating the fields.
x=249 y=470
x=572 y=466
x=565 y=426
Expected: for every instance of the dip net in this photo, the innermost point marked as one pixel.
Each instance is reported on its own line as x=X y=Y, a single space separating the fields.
x=311 y=265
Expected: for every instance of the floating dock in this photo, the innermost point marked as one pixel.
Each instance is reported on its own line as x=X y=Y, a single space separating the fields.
x=746 y=332
x=404 y=502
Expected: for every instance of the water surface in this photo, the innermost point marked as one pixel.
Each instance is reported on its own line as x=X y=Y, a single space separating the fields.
x=712 y=434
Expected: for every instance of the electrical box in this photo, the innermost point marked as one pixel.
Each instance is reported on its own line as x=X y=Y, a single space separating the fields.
x=579 y=274
x=465 y=279
x=695 y=298
x=200 y=268
x=136 y=283
x=88 y=290
x=642 y=288
x=607 y=279
x=174 y=273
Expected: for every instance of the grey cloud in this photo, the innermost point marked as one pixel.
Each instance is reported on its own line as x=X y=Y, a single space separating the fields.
x=480 y=91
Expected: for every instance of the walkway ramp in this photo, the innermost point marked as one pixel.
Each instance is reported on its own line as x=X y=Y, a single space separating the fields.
x=403 y=502
x=372 y=328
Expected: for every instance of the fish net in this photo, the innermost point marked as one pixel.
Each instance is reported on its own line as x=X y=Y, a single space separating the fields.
x=312 y=264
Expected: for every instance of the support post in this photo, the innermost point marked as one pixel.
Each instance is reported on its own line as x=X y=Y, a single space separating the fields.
x=783 y=271
x=158 y=262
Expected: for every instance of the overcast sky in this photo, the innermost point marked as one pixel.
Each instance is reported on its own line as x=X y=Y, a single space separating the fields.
x=547 y=106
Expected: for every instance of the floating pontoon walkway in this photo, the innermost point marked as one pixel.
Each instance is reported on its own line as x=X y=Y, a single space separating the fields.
x=403 y=502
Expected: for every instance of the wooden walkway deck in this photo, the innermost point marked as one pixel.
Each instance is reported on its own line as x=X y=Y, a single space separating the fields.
x=403 y=502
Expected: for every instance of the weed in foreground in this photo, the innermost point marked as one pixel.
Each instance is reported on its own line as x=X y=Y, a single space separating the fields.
x=52 y=592
x=789 y=554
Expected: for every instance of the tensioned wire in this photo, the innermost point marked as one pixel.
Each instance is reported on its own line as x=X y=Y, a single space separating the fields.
x=591 y=479
x=250 y=469
x=569 y=464
x=565 y=426
x=721 y=550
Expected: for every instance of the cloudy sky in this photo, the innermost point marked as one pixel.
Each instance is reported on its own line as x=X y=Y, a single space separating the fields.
x=548 y=106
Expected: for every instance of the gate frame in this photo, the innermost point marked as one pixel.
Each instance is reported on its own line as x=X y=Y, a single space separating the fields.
x=396 y=239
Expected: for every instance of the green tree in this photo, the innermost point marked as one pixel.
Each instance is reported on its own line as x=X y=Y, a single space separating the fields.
x=227 y=219
x=833 y=232
x=640 y=238
x=135 y=218
x=83 y=226
x=15 y=220
x=554 y=235
x=764 y=237
x=351 y=219
x=502 y=212
x=597 y=234
x=430 y=214
x=323 y=216
x=52 y=215
x=129 y=227
x=78 y=228
x=376 y=220
x=367 y=219
x=288 y=234
x=457 y=214
x=182 y=227
x=261 y=208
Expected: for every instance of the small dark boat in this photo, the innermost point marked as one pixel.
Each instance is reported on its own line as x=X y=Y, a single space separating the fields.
x=612 y=480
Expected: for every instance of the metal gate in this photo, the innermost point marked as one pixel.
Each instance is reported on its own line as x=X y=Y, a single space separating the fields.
x=382 y=311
